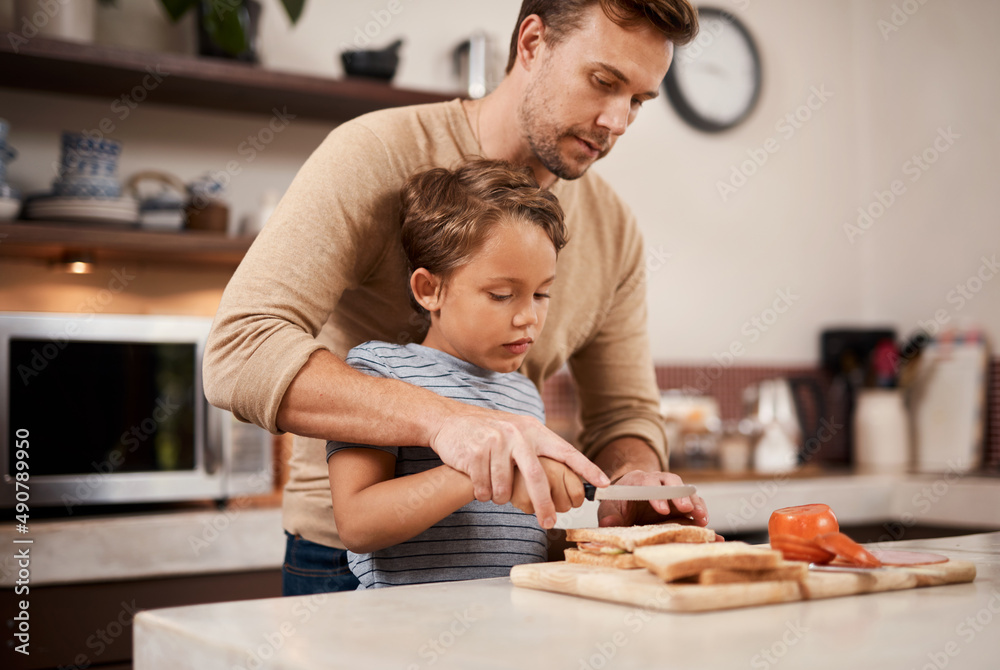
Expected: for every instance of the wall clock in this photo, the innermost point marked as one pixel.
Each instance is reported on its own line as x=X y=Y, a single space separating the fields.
x=714 y=82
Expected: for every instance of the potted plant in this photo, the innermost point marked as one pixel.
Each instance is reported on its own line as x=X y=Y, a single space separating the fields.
x=228 y=28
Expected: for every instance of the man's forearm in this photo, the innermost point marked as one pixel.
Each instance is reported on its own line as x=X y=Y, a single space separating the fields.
x=626 y=454
x=330 y=400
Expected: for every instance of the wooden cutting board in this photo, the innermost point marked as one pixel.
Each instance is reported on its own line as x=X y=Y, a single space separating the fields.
x=644 y=589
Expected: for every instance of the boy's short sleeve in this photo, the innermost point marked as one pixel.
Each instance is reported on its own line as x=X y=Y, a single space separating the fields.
x=365 y=359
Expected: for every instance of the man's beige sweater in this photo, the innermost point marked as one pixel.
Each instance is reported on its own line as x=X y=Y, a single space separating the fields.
x=328 y=271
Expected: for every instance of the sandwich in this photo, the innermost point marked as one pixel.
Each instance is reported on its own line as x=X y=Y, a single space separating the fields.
x=614 y=546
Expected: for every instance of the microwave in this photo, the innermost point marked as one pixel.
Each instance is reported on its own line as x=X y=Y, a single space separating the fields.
x=110 y=409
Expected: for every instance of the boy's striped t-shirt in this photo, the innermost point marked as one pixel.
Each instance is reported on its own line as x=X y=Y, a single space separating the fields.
x=481 y=539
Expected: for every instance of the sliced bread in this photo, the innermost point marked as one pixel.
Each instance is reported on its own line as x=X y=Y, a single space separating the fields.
x=621 y=561
x=675 y=561
x=630 y=537
x=786 y=571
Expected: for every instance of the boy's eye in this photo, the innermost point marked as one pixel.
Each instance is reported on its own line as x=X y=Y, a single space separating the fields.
x=498 y=297
x=602 y=82
x=541 y=295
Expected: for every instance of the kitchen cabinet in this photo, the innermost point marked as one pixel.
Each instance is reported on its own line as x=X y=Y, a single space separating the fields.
x=105 y=72
x=90 y=625
x=89 y=575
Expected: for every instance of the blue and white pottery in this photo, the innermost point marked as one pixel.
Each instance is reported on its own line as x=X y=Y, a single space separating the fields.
x=7 y=154
x=4 y=129
x=88 y=167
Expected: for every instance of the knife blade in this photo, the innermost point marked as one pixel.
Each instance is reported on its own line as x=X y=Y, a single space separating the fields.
x=620 y=492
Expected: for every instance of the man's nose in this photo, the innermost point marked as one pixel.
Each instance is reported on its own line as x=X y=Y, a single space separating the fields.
x=615 y=115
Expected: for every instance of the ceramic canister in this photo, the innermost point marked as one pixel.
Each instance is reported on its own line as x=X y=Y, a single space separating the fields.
x=7 y=154
x=88 y=167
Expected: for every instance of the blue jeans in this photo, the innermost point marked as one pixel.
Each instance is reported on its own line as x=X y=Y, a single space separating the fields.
x=314 y=568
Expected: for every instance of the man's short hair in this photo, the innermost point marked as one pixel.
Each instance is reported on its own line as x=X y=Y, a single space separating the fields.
x=677 y=20
x=447 y=214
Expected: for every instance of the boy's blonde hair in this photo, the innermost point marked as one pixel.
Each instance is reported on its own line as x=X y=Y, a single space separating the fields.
x=446 y=214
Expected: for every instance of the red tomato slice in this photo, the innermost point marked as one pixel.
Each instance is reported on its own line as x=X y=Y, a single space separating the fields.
x=800 y=549
x=806 y=521
x=849 y=550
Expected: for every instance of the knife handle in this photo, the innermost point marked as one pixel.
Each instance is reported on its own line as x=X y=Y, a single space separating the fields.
x=589 y=490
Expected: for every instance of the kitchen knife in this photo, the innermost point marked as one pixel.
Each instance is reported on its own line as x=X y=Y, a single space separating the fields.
x=619 y=492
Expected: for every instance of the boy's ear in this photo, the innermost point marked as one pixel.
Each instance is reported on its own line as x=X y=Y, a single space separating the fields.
x=426 y=289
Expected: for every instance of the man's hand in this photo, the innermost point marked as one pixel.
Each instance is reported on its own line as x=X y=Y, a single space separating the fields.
x=565 y=487
x=690 y=510
x=487 y=445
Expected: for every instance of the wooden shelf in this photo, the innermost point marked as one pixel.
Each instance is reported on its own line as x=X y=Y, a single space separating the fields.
x=50 y=242
x=206 y=83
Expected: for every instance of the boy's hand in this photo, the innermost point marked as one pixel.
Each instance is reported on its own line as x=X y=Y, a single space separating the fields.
x=564 y=485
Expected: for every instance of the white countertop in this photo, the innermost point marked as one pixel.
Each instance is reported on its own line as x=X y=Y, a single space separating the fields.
x=94 y=549
x=100 y=549
x=492 y=624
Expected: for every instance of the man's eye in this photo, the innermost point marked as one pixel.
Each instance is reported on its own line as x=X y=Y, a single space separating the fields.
x=499 y=298
x=636 y=102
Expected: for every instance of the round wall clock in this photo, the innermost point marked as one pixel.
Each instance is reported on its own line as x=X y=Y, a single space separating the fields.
x=714 y=82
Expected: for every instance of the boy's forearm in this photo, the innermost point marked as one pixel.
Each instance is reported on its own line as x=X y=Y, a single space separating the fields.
x=396 y=510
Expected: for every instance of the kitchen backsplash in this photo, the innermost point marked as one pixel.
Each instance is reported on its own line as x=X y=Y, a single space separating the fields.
x=727 y=384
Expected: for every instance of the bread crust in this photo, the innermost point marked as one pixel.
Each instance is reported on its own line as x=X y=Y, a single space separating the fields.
x=675 y=561
x=620 y=561
x=788 y=571
x=630 y=537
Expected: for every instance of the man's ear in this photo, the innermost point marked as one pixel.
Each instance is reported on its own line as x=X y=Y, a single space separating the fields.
x=530 y=39
x=426 y=289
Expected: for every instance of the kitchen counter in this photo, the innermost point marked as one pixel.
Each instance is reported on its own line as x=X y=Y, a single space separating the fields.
x=492 y=624
x=139 y=546
x=100 y=549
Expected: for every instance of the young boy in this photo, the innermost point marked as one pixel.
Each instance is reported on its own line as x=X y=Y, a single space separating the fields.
x=482 y=242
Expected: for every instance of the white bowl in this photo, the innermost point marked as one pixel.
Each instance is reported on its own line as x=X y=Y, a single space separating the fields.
x=9 y=207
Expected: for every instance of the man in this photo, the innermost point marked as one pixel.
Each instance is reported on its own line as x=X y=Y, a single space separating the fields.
x=328 y=272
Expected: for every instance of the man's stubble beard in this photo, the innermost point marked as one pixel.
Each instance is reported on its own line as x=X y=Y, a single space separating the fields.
x=543 y=137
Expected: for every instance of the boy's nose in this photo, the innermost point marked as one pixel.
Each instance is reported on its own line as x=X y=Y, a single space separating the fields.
x=526 y=316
